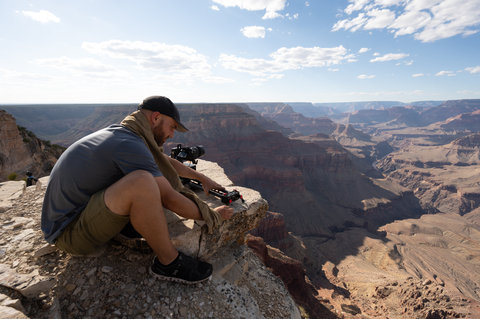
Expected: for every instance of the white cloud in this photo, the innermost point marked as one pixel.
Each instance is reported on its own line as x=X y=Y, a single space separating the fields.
x=473 y=70
x=292 y=16
x=271 y=7
x=355 y=5
x=426 y=20
x=42 y=16
x=285 y=59
x=365 y=76
x=215 y=8
x=445 y=73
x=253 y=31
x=390 y=57
x=12 y=75
x=417 y=75
x=176 y=62
x=82 y=67
x=151 y=55
x=379 y=19
x=363 y=50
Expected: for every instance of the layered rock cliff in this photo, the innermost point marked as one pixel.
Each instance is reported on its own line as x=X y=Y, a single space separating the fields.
x=444 y=177
x=364 y=149
x=38 y=281
x=21 y=150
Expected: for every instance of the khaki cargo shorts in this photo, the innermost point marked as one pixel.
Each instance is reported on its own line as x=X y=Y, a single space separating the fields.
x=95 y=226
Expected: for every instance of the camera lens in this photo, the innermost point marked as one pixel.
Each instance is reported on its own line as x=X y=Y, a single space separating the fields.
x=197 y=151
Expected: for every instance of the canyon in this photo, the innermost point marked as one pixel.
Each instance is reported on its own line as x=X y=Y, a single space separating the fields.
x=376 y=211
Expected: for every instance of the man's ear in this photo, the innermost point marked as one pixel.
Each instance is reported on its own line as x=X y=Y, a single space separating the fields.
x=150 y=115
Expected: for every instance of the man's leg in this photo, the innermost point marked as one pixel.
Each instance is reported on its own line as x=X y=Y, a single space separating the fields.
x=141 y=196
x=138 y=195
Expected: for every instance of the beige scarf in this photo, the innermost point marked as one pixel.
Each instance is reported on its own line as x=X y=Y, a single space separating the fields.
x=138 y=123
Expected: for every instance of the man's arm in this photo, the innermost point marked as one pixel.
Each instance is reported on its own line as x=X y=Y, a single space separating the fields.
x=187 y=172
x=184 y=171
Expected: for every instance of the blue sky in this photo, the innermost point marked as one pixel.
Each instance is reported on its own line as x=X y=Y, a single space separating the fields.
x=121 y=51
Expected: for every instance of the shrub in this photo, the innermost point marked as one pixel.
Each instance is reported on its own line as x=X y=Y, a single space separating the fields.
x=12 y=176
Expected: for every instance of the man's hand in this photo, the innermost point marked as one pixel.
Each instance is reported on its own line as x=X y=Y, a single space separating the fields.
x=225 y=211
x=209 y=184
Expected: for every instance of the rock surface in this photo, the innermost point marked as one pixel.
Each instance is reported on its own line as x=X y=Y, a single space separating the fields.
x=39 y=281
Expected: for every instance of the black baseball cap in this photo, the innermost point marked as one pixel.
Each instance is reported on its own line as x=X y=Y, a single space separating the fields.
x=164 y=106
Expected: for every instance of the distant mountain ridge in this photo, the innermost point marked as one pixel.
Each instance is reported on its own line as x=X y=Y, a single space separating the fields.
x=329 y=109
x=53 y=121
x=412 y=115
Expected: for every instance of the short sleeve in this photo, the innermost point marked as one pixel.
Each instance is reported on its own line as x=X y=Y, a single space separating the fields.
x=132 y=155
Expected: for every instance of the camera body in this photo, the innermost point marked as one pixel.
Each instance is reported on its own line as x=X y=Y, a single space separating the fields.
x=184 y=154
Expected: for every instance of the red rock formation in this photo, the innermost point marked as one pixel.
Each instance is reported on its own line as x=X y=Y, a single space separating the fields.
x=293 y=275
x=13 y=151
x=21 y=150
x=271 y=228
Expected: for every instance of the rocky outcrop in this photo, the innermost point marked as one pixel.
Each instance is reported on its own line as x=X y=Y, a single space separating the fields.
x=14 y=154
x=21 y=150
x=38 y=281
x=471 y=142
x=272 y=228
x=292 y=273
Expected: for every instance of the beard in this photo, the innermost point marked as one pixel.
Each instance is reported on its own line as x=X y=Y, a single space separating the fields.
x=158 y=134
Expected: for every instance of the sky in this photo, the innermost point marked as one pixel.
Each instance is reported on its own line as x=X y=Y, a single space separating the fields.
x=319 y=51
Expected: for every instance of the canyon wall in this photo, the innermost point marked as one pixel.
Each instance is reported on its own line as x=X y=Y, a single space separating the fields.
x=21 y=150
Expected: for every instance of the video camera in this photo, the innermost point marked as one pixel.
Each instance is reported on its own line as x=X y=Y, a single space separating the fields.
x=191 y=154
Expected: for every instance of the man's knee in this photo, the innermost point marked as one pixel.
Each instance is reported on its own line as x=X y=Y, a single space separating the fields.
x=137 y=181
x=139 y=175
x=133 y=187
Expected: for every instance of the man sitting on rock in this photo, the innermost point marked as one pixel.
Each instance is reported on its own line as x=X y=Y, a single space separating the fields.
x=120 y=174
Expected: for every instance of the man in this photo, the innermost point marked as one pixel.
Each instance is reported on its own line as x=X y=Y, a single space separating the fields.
x=119 y=175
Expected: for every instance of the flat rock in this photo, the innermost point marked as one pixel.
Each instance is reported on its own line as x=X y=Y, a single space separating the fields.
x=9 y=192
x=29 y=285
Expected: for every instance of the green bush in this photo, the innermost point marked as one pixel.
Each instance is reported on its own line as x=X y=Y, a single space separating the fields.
x=12 y=176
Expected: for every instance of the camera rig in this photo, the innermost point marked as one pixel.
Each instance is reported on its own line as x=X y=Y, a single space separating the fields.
x=188 y=156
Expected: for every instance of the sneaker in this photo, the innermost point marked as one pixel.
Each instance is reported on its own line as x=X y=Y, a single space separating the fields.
x=184 y=269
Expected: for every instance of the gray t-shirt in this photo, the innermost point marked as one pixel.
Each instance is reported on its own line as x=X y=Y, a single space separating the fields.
x=89 y=165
